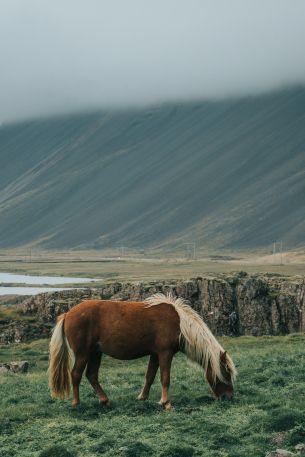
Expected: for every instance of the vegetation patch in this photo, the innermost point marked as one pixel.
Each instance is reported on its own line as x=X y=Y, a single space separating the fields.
x=268 y=407
x=177 y=451
x=56 y=451
x=297 y=435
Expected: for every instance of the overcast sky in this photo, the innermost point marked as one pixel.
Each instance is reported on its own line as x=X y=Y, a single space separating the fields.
x=65 y=55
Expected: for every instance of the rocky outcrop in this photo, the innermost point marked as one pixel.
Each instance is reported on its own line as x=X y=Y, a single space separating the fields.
x=14 y=367
x=19 y=330
x=236 y=304
x=280 y=453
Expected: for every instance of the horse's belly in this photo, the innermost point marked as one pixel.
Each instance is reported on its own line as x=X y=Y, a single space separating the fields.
x=124 y=351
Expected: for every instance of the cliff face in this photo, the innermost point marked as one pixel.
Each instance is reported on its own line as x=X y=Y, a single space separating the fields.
x=230 y=304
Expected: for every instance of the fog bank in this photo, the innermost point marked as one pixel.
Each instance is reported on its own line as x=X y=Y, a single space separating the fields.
x=66 y=55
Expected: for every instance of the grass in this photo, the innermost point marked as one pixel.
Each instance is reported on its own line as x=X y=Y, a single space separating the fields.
x=141 y=270
x=268 y=410
x=13 y=314
x=149 y=264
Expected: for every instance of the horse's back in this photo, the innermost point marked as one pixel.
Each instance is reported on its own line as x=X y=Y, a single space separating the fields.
x=124 y=330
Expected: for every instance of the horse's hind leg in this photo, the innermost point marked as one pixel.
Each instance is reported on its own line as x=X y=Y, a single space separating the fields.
x=76 y=376
x=152 y=369
x=165 y=361
x=92 y=376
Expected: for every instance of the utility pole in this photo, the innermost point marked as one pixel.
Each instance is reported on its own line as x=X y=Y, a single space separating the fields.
x=190 y=250
x=280 y=249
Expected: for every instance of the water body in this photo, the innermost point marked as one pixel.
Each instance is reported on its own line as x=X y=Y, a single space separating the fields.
x=29 y=290
x=27 y=279
x=38 y=281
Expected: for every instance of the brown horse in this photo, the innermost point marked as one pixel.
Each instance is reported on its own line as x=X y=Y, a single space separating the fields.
x=159 y=327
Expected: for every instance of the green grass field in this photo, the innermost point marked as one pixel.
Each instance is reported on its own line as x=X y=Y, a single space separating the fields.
x=268 y=410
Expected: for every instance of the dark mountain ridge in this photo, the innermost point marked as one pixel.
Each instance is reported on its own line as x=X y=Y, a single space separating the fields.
x=228 y=174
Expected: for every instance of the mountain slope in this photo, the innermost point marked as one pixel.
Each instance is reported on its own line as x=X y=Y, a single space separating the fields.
x=227 y=173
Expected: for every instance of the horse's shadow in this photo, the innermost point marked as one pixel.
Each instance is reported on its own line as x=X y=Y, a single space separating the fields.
x=90 y=409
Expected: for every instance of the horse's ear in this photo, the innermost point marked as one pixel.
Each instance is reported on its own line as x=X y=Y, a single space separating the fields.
x=223 y=357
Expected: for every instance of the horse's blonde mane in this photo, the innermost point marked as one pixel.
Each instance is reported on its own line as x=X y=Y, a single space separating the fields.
x=200 y=345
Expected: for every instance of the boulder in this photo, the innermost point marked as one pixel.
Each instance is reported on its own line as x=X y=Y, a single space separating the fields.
x=279 y=453
x=300 y=448
x=19 y=367
x=4 y=369
x=14 y=367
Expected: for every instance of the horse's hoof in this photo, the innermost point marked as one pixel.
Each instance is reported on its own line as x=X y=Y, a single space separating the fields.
x=167 y=405
x=141 y=397
x=105 y=403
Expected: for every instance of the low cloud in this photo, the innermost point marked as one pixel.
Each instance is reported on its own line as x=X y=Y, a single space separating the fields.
x=69 y=55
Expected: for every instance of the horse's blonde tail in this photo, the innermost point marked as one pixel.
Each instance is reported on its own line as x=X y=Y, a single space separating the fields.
x=61 y=362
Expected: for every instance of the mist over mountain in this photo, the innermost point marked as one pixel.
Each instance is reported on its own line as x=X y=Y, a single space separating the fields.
x=68 y=56
x=226 y=174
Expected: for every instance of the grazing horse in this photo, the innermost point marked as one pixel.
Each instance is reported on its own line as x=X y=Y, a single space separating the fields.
x=159 y=327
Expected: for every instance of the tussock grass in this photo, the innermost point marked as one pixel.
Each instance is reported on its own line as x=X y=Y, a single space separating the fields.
x=269 y=402
x=12 y=313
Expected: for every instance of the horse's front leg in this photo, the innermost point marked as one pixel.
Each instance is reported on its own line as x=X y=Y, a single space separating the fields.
x=152 y=369
x=165 y=361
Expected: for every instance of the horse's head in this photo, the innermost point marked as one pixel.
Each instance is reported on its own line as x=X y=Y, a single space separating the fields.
x=222 y=388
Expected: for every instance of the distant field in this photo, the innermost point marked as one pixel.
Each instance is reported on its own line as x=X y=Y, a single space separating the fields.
x=268 y=410
x=112 y=268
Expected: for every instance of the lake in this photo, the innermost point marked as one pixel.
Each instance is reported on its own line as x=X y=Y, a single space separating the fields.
x=38 y=281
x=29 y=290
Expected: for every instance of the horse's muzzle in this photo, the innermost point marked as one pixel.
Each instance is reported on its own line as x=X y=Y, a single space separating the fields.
x=227 y=396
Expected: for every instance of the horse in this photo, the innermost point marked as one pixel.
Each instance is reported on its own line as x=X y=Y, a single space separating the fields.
x=158 y=327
